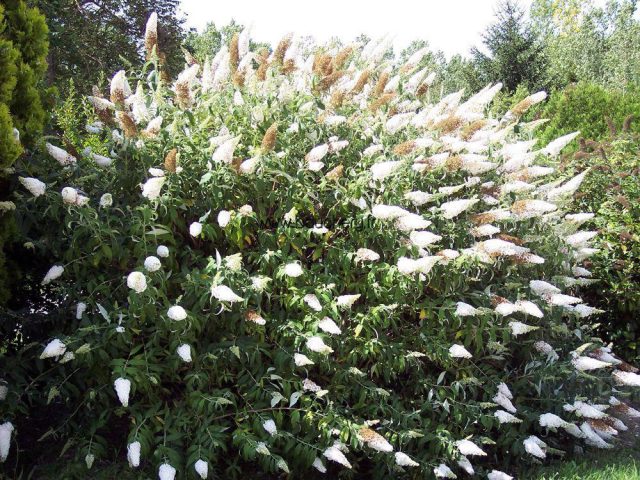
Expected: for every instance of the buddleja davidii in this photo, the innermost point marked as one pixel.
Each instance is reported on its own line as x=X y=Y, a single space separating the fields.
x=225 y=331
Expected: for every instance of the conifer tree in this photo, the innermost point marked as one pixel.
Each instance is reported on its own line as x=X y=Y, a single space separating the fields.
x=515 y=55
x=23 y=52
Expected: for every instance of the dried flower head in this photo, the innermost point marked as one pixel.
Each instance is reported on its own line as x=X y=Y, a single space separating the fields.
x=335 y=174
x=255 y=317
x=269 y=139
x=341 y=57
x=521 y=107
x=380 y=85
x=374 y=440
x=151 y=35
x=170 y=160
x=281 y=49
x=120 y=89
x=234 y=53
x=362 y=80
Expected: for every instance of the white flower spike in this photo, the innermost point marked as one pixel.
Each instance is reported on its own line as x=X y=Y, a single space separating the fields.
x=123 y=389
x=202 y=468
x=133 y=454
x=54 y=348
x=6 y=430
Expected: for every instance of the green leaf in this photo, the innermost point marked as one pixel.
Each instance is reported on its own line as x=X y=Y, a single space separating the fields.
x=103 y=312
x=157 y=231
x=295 y=396
x=276 y=397
x=53 y=393
x=206 y=178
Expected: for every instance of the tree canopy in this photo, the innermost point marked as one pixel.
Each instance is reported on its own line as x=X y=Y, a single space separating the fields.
x=90 y=37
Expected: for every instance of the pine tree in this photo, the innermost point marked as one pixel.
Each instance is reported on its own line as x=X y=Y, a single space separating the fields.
x=516 y=56
x=23 y=52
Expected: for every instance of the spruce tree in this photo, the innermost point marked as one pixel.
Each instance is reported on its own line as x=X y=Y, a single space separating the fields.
x=515 y=54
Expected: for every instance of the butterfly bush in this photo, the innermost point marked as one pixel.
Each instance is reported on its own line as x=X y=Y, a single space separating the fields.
x=309 y=261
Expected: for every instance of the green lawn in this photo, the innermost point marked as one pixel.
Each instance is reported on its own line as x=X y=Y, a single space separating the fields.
x=623 y=465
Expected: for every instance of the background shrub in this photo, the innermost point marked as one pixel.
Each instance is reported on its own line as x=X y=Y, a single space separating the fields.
x=592 y=109
x=612 y=190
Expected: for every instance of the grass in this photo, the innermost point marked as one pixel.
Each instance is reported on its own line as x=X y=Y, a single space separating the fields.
x=622 y=465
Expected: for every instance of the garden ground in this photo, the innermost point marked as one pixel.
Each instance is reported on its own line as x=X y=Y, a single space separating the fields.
x=623 y=465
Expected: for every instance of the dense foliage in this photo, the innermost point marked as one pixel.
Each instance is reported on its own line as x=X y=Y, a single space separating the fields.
x=612 y=191
x=293 y=261
x=91 y=38
x=23 y=51
x=598 y=113
x=559 y=43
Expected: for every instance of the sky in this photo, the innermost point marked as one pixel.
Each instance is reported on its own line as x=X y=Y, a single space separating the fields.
x=453 y=26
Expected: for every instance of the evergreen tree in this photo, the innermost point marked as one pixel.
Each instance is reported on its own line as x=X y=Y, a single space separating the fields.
x=515 y=55
x=23 y=52
x=90 y=37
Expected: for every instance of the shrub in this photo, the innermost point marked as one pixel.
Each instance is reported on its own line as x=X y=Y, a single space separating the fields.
x=611 y=189
x=317 y=272
x=593 y=110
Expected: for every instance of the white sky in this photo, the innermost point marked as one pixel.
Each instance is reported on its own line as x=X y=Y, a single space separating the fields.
x=453 y=26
